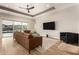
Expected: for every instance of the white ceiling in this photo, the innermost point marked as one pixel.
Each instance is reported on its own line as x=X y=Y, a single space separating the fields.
x=39 y=7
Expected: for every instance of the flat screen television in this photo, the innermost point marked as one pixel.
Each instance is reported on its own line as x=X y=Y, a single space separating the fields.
x=49 y=26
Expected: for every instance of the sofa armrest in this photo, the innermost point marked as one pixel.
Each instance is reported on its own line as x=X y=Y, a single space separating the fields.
x=34 y=42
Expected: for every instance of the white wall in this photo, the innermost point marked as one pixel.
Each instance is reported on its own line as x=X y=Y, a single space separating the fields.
x=78 y=19
x=0 y=30
x=66 y=21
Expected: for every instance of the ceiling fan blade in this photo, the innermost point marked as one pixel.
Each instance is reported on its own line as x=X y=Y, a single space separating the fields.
x=31 y=7
x=28 y=9
x=22 y=8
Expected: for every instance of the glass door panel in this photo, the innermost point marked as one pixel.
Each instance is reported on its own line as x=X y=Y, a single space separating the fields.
x=17 y=26
x=24 y=26
x=7 y=28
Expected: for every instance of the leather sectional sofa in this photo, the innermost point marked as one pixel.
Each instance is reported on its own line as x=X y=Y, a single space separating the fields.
x=27 y=40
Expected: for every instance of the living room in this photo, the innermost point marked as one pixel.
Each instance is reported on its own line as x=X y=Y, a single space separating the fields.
x=64 y=18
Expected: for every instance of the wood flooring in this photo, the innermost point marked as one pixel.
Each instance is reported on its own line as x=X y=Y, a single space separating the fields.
x=9 y=46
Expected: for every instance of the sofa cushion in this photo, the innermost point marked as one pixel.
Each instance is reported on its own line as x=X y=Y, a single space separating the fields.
x=27 y=31
x=35 y=34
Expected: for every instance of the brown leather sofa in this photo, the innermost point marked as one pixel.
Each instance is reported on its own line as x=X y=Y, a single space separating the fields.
x=27 y=40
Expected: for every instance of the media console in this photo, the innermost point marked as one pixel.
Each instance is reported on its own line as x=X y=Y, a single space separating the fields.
x=68 y=37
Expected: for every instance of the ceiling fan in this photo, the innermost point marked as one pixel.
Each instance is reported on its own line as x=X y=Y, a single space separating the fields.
x=28 y=8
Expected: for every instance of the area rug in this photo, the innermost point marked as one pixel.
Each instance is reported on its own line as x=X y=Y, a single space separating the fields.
x=69 y=48
x=47 y=43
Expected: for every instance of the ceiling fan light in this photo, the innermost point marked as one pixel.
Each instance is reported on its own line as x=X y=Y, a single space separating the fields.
x=28 y=11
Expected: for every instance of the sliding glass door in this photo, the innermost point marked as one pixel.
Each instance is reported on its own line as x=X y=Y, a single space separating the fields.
x=24 y=26
x=17 y=26
x=20 y=26
x=8 y=27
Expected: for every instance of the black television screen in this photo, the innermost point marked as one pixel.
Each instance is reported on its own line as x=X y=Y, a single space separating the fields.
x=49 y=26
